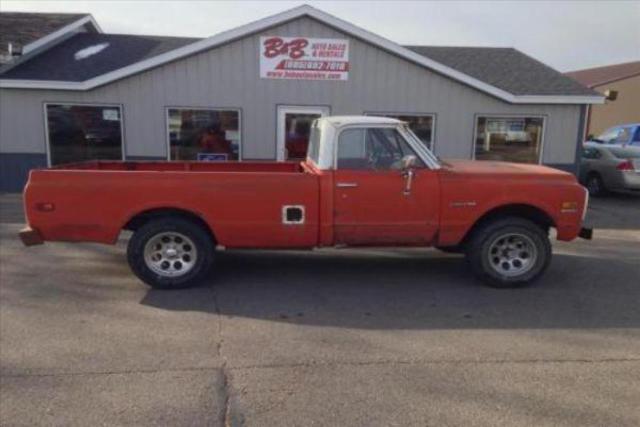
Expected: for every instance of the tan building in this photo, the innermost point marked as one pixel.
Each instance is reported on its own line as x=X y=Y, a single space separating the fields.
x=621 y=78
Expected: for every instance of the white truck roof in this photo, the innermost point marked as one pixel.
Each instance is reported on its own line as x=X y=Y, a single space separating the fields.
x=339 y=121
x=331 y=126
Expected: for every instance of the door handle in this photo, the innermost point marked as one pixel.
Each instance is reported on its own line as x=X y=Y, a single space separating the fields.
x=408 y=176
x=346 y=184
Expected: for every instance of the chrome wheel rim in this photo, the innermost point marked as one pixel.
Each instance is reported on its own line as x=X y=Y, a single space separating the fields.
x=170 y=254
x=512 y=254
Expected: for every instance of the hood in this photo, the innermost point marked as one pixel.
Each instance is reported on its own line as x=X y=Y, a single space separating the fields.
x=513 y=170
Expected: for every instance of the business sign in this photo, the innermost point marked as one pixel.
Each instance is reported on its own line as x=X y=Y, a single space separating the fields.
x=301 y=58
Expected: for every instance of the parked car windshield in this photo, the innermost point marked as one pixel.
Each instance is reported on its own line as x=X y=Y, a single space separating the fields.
x=614 y=135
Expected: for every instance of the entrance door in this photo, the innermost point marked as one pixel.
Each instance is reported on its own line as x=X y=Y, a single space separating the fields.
x=374 y=201
x=294 y=126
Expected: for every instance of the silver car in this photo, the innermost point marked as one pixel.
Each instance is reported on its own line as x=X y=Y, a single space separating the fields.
x=606 y=167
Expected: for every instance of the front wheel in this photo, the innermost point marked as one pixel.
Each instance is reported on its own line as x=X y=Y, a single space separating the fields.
x=170 y=253
x=509 y=252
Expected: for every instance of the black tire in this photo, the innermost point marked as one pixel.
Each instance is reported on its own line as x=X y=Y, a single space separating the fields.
x=451 y=249
x=595 y=185
x=200 y=237
x=485 y=239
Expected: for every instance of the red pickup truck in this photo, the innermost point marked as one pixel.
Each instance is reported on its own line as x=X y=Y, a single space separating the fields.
x=366 y=181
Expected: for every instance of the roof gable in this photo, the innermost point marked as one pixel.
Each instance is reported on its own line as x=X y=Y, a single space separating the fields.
x=33 y=30
x=66 y=62
x=325 y=18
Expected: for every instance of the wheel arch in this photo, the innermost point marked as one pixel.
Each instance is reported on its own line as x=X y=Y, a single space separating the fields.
x=139 y=219
x=533 y=213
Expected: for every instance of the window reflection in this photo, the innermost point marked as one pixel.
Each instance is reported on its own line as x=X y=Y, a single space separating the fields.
x=511 y=139
x=207 y=135
x=84 y=132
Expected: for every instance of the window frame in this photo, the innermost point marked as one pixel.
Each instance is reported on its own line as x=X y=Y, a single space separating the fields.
x=427 y=164
x=392 y=115
x=123 y=145
x=182 y=107
x=282 y=110
x=543 y=134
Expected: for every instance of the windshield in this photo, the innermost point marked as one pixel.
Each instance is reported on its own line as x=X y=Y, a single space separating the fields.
x=419 y=146
x=614 y=135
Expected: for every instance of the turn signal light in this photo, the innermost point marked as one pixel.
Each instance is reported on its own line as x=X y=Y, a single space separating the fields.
x=45 y=207
x=625 y=166
x=569 y=206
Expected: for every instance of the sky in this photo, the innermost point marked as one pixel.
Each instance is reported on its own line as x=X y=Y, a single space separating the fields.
x=566 y=35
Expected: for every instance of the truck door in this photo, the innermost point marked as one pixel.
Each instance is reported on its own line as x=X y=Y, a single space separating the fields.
x=373 y=203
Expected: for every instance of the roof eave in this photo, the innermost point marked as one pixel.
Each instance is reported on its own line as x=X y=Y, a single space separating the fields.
x=43 y=41
x=90 y=84
x=280 y=18
x=614 y=79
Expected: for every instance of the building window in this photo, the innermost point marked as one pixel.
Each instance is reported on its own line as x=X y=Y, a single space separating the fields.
x=203 y=134
x=422 y=125
x=77 y=133
x=509 y=139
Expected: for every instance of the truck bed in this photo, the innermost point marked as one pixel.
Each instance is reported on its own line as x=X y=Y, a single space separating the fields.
x=241 y=202
x=183 y=166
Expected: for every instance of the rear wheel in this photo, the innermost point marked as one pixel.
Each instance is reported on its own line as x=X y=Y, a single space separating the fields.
x=170 y=253
x=509 y=252
x=595 y=185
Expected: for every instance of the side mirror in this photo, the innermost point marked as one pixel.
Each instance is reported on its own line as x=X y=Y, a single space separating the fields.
x=408 y=162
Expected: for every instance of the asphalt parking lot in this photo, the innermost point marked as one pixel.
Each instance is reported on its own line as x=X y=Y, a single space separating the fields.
x=378 y=337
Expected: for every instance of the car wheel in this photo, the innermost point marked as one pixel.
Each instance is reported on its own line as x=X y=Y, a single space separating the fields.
x=595 y=185
x=509 y=252
x=170 y=253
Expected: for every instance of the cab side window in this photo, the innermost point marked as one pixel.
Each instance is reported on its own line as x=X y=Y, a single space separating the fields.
x=373 y=149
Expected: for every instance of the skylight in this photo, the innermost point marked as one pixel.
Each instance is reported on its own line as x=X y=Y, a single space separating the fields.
x=90 y=51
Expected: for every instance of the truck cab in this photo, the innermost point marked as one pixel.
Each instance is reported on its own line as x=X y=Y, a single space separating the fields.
x=383 y=182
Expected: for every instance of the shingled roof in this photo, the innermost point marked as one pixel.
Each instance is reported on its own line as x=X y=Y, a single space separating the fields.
x=112 y=51
x=506 y=68
x=21 y=28
x=593 y=77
